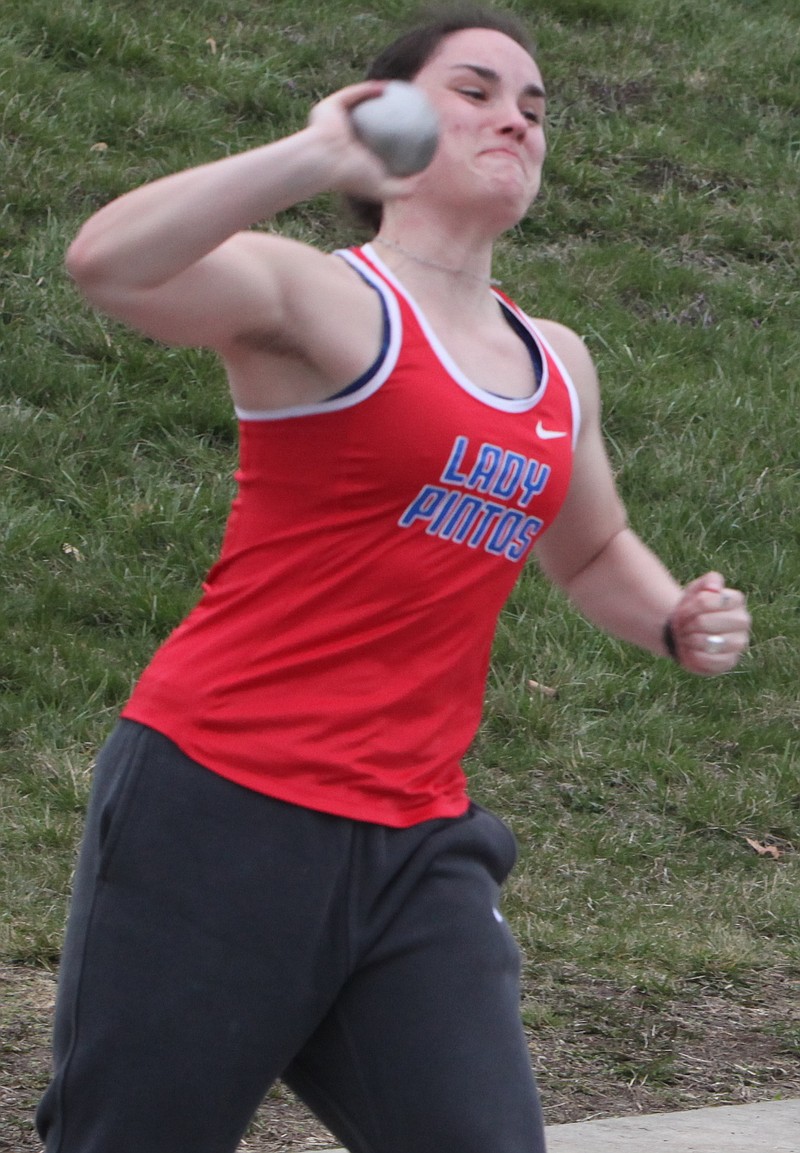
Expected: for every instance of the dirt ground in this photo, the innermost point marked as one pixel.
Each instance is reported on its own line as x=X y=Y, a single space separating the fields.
x=618 y=1055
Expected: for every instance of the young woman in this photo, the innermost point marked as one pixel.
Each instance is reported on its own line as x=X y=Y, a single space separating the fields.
x=282 y=874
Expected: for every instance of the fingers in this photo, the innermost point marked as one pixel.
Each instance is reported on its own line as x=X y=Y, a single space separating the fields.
x=721 y=613
x=710 y=581
x=711 y=601
x=711 y=653
x=355 y=170
x=345 y=99
x=711 y=626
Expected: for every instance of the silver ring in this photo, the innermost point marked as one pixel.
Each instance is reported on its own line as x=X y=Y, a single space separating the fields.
x=714 y=643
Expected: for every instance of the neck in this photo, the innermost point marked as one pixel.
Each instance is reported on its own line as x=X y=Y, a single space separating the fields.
x=435 y=265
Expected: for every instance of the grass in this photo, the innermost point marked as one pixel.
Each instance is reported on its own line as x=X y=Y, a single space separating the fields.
x=667 y=236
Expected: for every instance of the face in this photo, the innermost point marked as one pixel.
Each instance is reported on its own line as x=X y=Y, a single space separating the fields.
x=490 y=99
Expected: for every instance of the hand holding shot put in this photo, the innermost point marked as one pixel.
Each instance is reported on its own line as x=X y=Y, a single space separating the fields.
x=400 y=126
x=281 y=856
x=392 y=121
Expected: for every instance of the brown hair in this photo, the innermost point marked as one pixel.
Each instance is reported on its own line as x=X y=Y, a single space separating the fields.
x=410 y=52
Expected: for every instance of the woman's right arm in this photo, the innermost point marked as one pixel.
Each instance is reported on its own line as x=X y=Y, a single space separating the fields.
x=174 y=258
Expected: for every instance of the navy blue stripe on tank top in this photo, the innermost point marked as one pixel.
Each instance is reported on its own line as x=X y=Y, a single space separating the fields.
x=528 y=341
x=367 y=376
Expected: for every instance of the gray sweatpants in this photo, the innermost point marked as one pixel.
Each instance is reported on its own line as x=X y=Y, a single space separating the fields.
x=219 y=939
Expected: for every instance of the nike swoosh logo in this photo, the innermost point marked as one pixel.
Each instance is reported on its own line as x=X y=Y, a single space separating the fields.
x=547 y=433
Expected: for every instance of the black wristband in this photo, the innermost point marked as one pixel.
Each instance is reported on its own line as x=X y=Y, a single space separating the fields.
x=668 y=636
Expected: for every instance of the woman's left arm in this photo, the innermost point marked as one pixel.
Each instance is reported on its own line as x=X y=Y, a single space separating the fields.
x=608 y=572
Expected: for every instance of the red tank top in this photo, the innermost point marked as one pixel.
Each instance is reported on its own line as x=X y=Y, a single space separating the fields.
x=338 y=656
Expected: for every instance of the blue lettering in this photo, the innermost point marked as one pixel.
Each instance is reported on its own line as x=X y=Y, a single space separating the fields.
x=507 y=481
x=533 y=482
x=504 y=531
x=490 y=512
x=485 y=468
x=462 y=519
x=436 y=523
x=524 y=538
x=424 y=506
x=451 y=473
x=451 y=514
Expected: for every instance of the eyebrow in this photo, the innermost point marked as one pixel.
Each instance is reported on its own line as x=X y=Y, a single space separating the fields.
x=491 y=75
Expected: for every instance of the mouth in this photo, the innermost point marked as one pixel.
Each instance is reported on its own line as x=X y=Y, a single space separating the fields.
x=507 y=152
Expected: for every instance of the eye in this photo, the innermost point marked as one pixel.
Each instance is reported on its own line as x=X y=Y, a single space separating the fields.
x=473 y=93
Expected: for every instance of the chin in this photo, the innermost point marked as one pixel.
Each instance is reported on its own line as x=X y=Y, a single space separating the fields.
x=510 y=204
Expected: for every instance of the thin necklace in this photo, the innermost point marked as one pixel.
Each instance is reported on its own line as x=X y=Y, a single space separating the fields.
x=488 y=280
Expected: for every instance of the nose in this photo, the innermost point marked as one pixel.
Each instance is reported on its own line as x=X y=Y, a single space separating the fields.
x=513 y=123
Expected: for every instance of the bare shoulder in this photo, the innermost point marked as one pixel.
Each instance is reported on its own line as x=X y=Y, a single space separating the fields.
x=293 y=262
x=569 y=346
x=318 y=297
x=322 y=331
